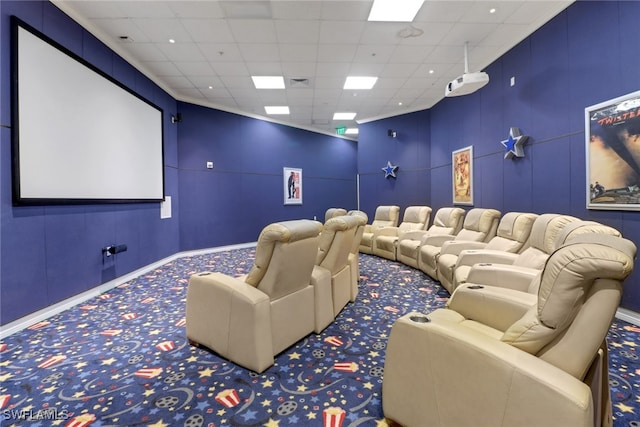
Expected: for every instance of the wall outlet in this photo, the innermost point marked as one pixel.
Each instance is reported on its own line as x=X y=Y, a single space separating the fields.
x=209 y=165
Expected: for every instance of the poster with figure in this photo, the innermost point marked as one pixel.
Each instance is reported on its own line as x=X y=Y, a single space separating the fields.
x=612 y=137
x=462 y=167
x=292 y=179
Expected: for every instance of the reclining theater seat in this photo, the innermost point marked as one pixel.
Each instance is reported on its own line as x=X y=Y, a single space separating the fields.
x=385 y=240
x=521 y=278
x=386 y=216
x=479 y=225
x=333 y=212
x=354 y=259
x=498 y=357
x=250 y=319
x=336 y=240
x=447 y=221
x=513 y=231
x=518 y=268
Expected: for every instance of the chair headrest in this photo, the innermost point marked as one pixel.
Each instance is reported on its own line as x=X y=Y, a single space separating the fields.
x=449 y=217
x=576 y=228
x=360 y=214
x=482 y=220
x=516 y=226
x=333 y=212
x=546 y=229
x=416 y=214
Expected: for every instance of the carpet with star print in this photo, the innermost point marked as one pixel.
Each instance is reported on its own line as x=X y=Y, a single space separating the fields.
x=122 y=359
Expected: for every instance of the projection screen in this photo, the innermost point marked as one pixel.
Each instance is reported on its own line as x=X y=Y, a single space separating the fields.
x=78 y=135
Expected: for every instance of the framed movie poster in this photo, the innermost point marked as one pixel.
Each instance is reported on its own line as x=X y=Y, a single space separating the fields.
x=612 y=137
x=292 y=180
x=462 y=167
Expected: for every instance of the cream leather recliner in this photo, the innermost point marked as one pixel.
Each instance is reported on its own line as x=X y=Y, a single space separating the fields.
x=354 y=258
x=498 y=357
x=385 y=216
x=335 y=245
x=479 y=225
x=250 y=319
x=385 y=240
x=519 y=277
x=447 y=221
x=513 y=232
x=333 y=212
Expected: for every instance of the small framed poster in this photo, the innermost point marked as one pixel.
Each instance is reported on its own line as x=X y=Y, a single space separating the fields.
x=292 y=180
x=462 y=176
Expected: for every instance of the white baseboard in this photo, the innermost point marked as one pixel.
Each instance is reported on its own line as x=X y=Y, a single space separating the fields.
x=628 y=316
x=45 y=313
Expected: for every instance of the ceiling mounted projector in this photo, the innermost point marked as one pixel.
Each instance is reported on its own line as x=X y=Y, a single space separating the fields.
x=468 y=82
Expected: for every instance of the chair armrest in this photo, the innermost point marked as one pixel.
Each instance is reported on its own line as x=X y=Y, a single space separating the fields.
x=230 y=317
x=413 y=235
x=501 y=275
x=491 y=305
x=473 y=256
x=434 y=369
x=386 y=231
x=454 y=247
x=436 y=239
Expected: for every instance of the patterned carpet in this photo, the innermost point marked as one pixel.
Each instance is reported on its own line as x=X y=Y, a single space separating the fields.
x=122 y=359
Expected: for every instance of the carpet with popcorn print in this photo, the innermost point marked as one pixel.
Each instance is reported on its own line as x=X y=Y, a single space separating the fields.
x=122 y=359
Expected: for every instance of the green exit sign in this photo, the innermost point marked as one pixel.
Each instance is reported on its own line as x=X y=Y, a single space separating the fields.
x=341 y=130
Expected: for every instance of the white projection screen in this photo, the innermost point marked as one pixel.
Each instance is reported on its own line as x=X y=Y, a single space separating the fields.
x=79 y=137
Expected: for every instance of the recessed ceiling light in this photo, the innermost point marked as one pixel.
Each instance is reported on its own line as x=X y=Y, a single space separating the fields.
x=431 y=71
x=492 y=10
x=172 y=41
x=272 y=109
x=344 y=116
x=351 y=131
x=400 y=103
x=268 y=82
x=394 y=10
x=359 y=82
x=210 y=87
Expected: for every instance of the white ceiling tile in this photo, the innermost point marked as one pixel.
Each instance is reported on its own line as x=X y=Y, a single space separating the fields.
x=253 y=31
x=442 y=11
x=336 y=32
x=208 y=30
x=299 y=69
x=398 y=70
x=233 y=69
x=264 y=68
x=194 y=68
x=375 y=54
x=145 y=51
x=162 y=68
x=260 y=52
x=142 y=9
x=181 y=51
x=382 y=33
x=121 y=27
x=346 y=10
x=333 y=69
x=297 y=10
x=234 y=83
x=98 y=9
x=297 y=31
x=298 y=52
x=409 y=54
x=178 y=82
x=337 y=52
x=366 y=69
x=221 y=52
x=196 y=9
x=160 y=30
x=203 y=82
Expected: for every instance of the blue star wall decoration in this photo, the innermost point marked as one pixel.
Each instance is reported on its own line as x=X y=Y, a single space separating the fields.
x=390 y=170
x=514 y=144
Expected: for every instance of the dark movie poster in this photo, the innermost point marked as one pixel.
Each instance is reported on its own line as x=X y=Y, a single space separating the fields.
x=613 y=153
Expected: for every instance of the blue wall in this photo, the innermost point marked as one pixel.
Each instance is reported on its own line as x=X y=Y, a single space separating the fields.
x=584 y=56
x=54 y=252
x=244 y=192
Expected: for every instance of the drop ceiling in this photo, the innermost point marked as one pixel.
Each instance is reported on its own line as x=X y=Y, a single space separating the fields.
x=218 y=45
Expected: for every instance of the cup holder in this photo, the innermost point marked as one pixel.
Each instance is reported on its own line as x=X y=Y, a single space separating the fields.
x=419 y=319
x=485 y=264
x=475 y=287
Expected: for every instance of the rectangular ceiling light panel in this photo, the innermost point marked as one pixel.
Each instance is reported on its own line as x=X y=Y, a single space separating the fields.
x=268 y=82
x=394 y=10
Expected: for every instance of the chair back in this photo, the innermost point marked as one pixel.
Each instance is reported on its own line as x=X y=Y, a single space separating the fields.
x=334 y=212
x=447 y=221
x=480 y=225
x=336 y=240
x=580 y=289
x=542 y=240
x=285 y=255
x=363 y=219
x=513 y=231
x=386 y=216
x=415 y=218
